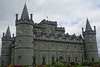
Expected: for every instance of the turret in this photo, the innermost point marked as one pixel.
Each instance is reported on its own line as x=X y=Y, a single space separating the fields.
x=5 y=50
x=89 y=35
x=24 y=39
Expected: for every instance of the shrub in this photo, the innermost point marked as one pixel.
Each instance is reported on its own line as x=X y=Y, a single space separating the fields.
x=76 y=66
x=25 y=65
x=44 y=65
x=95 y=64
x=76 y=63
x=58 y=64
x=85 y=63
x=68 y=65
x=72 y=63
x=38 y=65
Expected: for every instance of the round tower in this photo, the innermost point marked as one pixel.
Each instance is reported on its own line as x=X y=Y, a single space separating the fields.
x=5 y=50
x=91 y=50
x=24 y=39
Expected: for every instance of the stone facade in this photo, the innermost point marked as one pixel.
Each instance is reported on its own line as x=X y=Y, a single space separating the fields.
x=44 y=42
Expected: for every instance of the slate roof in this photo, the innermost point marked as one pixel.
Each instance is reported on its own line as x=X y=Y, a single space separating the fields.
x=88 y=26
x=8 y=34
x=25 y=13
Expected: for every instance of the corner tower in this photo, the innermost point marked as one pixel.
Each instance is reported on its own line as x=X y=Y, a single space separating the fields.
x=5 y=50
x=24 y=39
x=89 y=35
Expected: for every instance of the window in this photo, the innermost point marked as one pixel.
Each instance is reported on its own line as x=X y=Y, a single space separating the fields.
x=61 y=58
x=34 y=45
x=82 y=58
x=34 y=60
x=68 y=47
x=19 y=59
x=92 y=59
x=2 y=63
x=75 y=48
x=43 y=46
x=53 y=59
x=20 y=43
x=75 y=59
x=81 y=48
x=61 y=47
x=69 y=58
x=43 y=60
x=52 y=47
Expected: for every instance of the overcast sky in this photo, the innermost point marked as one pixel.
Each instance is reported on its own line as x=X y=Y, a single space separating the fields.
x=71 y=14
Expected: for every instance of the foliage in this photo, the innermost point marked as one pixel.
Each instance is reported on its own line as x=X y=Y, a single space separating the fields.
x=11 y=65
x=65 y=65
x=72 y=63
x=58 y=64
x=96 y=64
x=68 y=65
x=44 y=65
x=25 y=65
x=76 y=66
x=76 y=63
x=38 y=65
x=85 y=63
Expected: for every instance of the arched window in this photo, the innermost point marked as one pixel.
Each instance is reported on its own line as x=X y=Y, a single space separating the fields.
x=53 y=59
x=34 y=60
x=92 y=59
x=61 y=47
x=81 y=48
x=69 y=58
x=19 y=59
x=34 y=45
x=75 y=48
x=82 y=58
x=76 y=59
x=43 y=46
x=68 y=47
x=52 y=47
x=43 y=60
x=20 y=43
x=2 y=63
x=61 y=58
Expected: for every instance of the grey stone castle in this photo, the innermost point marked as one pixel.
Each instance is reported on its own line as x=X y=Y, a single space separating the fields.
x=44 y=42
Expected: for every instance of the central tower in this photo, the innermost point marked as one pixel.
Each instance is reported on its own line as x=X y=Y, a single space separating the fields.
x=24 y=39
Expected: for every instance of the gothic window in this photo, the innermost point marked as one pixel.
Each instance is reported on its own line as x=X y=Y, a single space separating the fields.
x=20 y=43
x=19 y=59
x=43 y=46
x=2 y=63
x=34 y=45
x=68 y=47
x=61 y=47
x=43 y=60
x=76 y=59
x=91 y=47
x=81 y=48
x=53 y=59
x=69 y=58
x=61 y=58
x=34 y=59
x=52 y=47
x=92 y=59
x=82 y=58
x=2 y=52
x=75 y=48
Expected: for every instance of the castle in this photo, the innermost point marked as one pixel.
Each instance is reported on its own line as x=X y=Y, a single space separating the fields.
x=44 y=42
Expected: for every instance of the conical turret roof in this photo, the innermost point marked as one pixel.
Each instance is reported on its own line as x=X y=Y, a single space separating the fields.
x=25 y=13
x=8 y=34
x=88 y=26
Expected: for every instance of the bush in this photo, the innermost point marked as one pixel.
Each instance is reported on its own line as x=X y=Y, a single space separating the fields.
x=76 y=63
x=38 y=65
x=95 y=64
x=25 y=65
x=72 y=63
x=85 y=63
x=58 y=64
x=44 y=65
x=76 y=66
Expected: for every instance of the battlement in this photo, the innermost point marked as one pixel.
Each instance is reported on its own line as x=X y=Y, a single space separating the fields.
x=54 y=23
x=60 y=29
